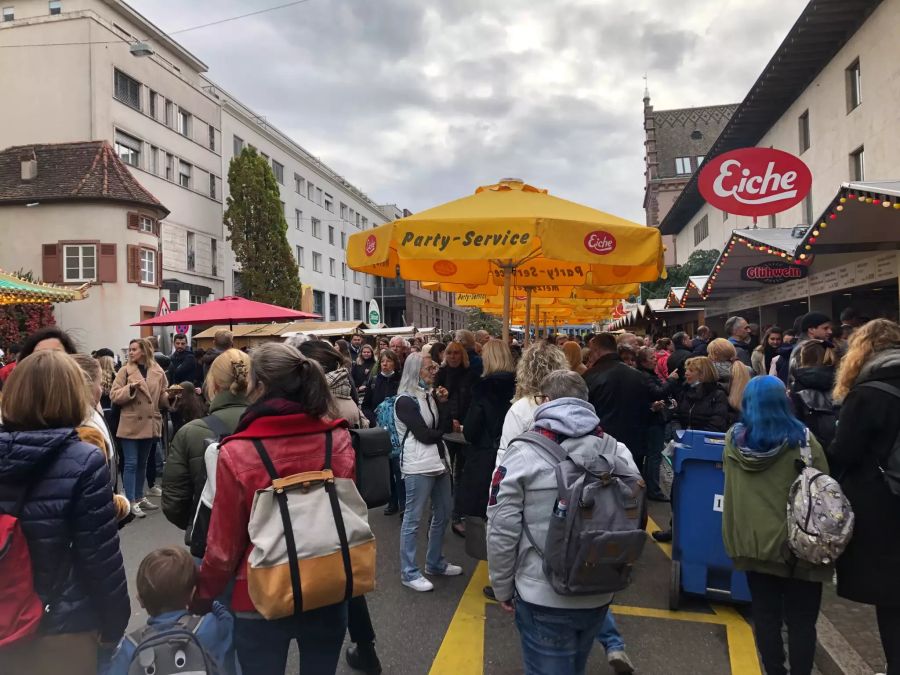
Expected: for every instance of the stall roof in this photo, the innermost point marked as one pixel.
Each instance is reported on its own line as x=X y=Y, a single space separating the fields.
x=322 y=327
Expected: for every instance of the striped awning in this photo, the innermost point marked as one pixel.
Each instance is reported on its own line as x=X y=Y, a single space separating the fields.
x=15 y=290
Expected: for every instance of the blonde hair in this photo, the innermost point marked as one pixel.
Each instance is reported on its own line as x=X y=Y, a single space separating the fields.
x=108 y=373
x=457 y=347
x=704 y=367
x=497 y=357
x=146 y=350
x=721 y=350
x=875 y=336
x=572 y=350
x=45 y=391
x=538 y=361
x=230 y=371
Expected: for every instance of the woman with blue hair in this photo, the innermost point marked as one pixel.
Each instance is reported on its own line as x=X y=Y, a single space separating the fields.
x=761 y=458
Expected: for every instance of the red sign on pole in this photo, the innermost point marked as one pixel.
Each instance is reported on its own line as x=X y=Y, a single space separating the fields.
x=754 y=181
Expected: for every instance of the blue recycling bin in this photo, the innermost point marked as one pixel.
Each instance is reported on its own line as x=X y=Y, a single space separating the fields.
x=700 y=565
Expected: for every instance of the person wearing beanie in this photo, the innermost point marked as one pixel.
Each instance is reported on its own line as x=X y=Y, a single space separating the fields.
x=813 y=326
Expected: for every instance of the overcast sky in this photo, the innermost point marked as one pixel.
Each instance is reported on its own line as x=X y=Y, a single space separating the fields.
x=419 y=101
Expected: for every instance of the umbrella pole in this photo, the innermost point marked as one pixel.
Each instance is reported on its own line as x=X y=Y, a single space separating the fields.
x=527 y=316
x=507 y=289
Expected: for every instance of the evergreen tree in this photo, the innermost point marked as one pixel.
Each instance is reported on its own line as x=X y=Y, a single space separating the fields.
x=257 y=230
x=478 y=320
x=700 y=262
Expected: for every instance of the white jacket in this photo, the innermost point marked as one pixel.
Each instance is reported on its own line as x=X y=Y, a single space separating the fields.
x=417 y=457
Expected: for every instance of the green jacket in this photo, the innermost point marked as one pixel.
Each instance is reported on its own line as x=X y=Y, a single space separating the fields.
x=754 y=514
x=185 y=471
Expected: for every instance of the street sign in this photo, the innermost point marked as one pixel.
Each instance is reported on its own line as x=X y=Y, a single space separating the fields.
x=374 y=314
x=754 y=181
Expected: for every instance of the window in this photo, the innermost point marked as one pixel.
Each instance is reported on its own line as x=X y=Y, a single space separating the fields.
x=214 y=254
x=329 y=203
x=332 y=306
x=127 y=89
x=808 y=209
x=345 y=309
x=299 y=182
x=278 y=170
x=803 y=131
x=316 y=228
x=173 y=299
x=358 y=216
x=212 y=186
x=184 y=174
x=146 y=224
x=352 y=215
x=310 y=191
x=344 y=271
x=682 y=165
x=319 y=302
x=365 y=222
x=317 y=262
x=298 y=217
x=80 y=262
x=170 y=114
x=238 y=145
x=170 y=167
x=367 y=280
x=147 y=257
x=355 y=277
x=853 y=77
x=212 y=137
x=858 y=164
x=154 y=101
x=154 y=160
x=196 y=300
x=191 y=252
x=128 y=149
x=331 y=235
x=319 y=196
x=701 y=230
x=184 y=122
x=300 y=256
x=9 y=13
x=343 y=240
x=699 y=159
x=357 y=310
x=55 y=7
x=343 y=211
x=331 y=266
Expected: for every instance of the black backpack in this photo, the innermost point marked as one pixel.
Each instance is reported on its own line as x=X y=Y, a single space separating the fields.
x=891 y=468
x=373 y=464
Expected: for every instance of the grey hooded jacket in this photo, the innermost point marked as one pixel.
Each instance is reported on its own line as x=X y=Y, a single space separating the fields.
x=524 y=489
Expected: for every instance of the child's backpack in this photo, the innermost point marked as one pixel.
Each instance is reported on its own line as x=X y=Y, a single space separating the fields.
x=596 y=532
x=819 y=517
x=171 y=650
x=385 y=418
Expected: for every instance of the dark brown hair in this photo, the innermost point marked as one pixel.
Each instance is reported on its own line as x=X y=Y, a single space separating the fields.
x=166 y=580
x=286 y=373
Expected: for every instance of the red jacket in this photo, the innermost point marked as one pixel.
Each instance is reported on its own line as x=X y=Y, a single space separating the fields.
x=296 y=443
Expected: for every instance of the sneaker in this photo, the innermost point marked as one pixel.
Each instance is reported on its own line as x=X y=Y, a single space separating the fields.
x=420 y=584
x=663 y=536
x=450 y=570
x=147 y=505
x=489 y=593
x=155 y=491
x=136 y=510
x=619 y=662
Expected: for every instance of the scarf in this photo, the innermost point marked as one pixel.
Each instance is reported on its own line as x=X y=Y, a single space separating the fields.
x=339 y=383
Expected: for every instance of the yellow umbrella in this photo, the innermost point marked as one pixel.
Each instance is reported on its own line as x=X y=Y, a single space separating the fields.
x=510 y=228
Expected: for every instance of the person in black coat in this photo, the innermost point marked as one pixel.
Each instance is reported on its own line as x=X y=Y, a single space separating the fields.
x=361 y=371
x=701 y=341
x=811 y=390
x=182 y=365
x=681 y=354
x=383 y=385
x=618 y=394
x=67 y=516
x=702 y=403
x=492 y=397
x=867 y=431
x=658 y=392
x=456 y=377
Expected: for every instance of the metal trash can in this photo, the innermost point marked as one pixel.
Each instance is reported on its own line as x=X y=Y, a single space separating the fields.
x=700 y=565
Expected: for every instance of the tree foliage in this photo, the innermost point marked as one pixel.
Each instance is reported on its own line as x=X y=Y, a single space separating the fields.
x=478 y=320
x=257 y=230
x=700 y=262
x=17 y=322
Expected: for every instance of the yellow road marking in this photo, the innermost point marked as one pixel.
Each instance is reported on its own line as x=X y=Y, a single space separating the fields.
x=462 y=651
x=741 y=643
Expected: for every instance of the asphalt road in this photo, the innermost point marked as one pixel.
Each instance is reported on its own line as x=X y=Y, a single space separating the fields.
x=454 y=631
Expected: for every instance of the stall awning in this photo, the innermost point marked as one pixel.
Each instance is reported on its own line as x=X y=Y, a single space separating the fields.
x=16 y=290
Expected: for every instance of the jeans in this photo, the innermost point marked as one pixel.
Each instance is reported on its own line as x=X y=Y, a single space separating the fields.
x=398 y=489
x=555 y=640
x=262 y=646
x=889 y=627
x=655 y=441
x=154 y=463
x=136 y=451
x=418 y=489
x=776 y=600
x=359 y=623
x=609 y=635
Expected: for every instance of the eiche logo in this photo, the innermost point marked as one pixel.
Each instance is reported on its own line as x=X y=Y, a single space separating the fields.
x=600 y=242
x=371 y=245
x=754 y=181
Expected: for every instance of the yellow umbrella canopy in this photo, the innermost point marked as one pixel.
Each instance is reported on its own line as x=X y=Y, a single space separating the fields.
x=16 y=290
x=616 y=292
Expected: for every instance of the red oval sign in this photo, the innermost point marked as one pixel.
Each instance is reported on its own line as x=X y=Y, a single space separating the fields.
x=371 y=245
x=754 y=181
x=600 y=242
x=446 y=268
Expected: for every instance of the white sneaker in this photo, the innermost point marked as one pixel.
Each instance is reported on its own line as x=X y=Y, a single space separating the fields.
x=155 y=491
x=420 y=584
x=619 y=661
x=147 y=505
x=136 y=510
x=450 y=570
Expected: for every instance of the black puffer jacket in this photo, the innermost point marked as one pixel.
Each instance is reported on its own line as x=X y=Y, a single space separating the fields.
x=70 y=523
x=704 y=408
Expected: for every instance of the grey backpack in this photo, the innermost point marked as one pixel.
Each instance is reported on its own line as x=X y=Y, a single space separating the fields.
x=171 y=650
x=596 y=530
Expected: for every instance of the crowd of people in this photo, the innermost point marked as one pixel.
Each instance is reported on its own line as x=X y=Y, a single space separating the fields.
x=84 y=442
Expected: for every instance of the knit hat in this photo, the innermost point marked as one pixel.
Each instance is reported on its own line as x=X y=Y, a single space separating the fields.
x=812 y=320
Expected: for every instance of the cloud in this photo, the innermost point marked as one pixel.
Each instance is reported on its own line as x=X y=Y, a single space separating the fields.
x=419 y=102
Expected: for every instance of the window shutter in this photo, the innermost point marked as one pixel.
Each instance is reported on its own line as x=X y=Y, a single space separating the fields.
x=134 y=220
x=51 y=263
x=133 y=264
x=107 y=267
x=159 y=267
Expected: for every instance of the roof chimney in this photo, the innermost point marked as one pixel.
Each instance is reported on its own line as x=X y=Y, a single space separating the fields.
x=29 y=166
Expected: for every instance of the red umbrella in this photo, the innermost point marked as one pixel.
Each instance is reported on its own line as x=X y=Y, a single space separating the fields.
x=229 y=309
